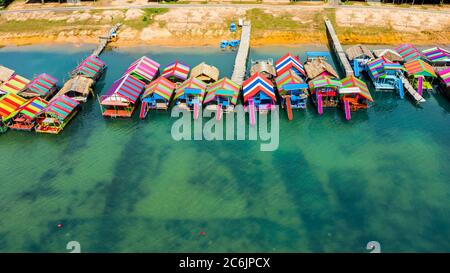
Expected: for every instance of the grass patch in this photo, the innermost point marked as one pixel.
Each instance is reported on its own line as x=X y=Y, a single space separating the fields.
x=147 y=18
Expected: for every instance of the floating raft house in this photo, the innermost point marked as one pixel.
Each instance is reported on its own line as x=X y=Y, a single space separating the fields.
x=292 y=89
x=265 y=68
x=15 y=84
x=358 y=56
x=385 y=75
x=444 y=76
x=5 y=74
x=389 y=55
x=319 y=68
x=190 y=94
x=290 y=62
x=157 y=95
x=56 y=115
x=206 y=73
x=258 y=93
x=8 y=105
x=121 y=98
x=324 y=92
x=354 y=95
x=143 y=69
x=420 y=75
x=222 y=96
x=25 y=117
x=176 y=71
x=91 y=67
x=408 y=52
x=77 y=88
x=42 y=86
x=437 y=56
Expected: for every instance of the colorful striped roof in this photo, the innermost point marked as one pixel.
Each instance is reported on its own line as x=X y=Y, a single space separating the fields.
x=160 y=86
x=177 y=70
x=419 y=68
x=352 y=81
x=288 y=77
x=9 y=104
x=61 y=107
x=323 y=81
x=379 y=67
x=288 y=62
x=255 y=84
x=437 y=54
x=191 y=83
x=143 y=69
x=32 y=108
x=42 y=84
x=15 y=84
x=408 y=52
x=90 y=67
x=445 y=76
x=225 y=88
x=128 y=88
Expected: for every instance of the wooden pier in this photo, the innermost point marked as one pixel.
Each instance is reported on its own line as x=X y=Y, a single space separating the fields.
x=337 y=49
x=240 y=62
x=104 y=40
x=410 y=90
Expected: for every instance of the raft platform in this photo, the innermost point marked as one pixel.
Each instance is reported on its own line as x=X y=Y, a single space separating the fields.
x=408 y=87
x=337 y=49
x=240 y=62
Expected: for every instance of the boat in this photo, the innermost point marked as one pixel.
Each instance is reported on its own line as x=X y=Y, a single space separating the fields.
x=56 y=115
x=221 y=96
x=25 y=117
x=157 y=96
x=354 y=95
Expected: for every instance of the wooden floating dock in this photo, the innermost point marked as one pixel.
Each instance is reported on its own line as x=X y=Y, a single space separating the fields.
x=337 y=49
x=410 y=90
x=104 y=40
x=240 y=62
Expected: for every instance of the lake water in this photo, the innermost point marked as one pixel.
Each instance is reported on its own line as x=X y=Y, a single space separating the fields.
x=127 y=186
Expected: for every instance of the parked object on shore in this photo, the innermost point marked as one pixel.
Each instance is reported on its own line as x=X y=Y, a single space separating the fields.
x=444 y=83
x=324 y=92
x=420 y=75
x=385 y=75
x=221 y=96
x=408 y=52
x=354 y=95
x=233 y=27
x=43 y=86
x=389 y=55
x=157 y=96
x=290 y=62
x=14 y=84
x=25 y=117
x=437 y=56
x=358 y=56
x=176 y=71
x=9 y=103
x=190 y=94
x=260 y=91
x=5 y=74
x=56 y=115
x=265 y=68
x=205 y=72
x=293 y=91
x=143 y=69
x=91 y=67
x=78 y=88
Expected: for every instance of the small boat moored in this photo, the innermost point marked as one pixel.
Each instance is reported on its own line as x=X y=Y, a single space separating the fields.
x=56 y=115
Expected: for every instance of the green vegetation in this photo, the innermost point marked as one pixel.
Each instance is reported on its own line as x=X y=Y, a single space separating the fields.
x=147 y=19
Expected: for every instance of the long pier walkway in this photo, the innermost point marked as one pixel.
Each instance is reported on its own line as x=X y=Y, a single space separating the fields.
x=416 y=96
x=337 y=49
x=240 y=63
x=104 y=40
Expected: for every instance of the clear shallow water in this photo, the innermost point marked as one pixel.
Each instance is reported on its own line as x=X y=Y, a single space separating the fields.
x=126 y=185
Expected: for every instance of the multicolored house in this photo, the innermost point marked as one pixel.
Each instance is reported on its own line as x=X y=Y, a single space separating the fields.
x=221 y=96
x=121 y=98
x=444 y=76
x=324 y=92
x=56 y=115
x=293 y=91
x=15 y=84
x=437 y=56
x=354 y=95
x=176 y=71
x=420 y=74
x=25 y=117
x=259 y=93
x=385 y=75
x=408 y=52
x=42 y=86
x=9 y=103
x=91 y=67
x=290 y=62
x=143 y=69
x=157 y=96
x=190 y=94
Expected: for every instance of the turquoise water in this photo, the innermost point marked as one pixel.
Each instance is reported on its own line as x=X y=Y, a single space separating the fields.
x=126 y=185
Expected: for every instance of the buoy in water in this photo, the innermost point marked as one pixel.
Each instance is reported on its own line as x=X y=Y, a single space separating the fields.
x=59 y=225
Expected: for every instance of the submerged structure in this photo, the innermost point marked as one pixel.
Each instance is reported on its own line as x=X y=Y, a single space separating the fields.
x=420 y=75
x=293 y=91
x=157 y=96
x=176 y=71
x=354 y=95
x=221 y=96
x=56 y=115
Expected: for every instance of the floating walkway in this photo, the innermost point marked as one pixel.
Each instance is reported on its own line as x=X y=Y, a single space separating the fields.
x=240 y=63
x=416 y=96
x=104 y=40
x=337 y=49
